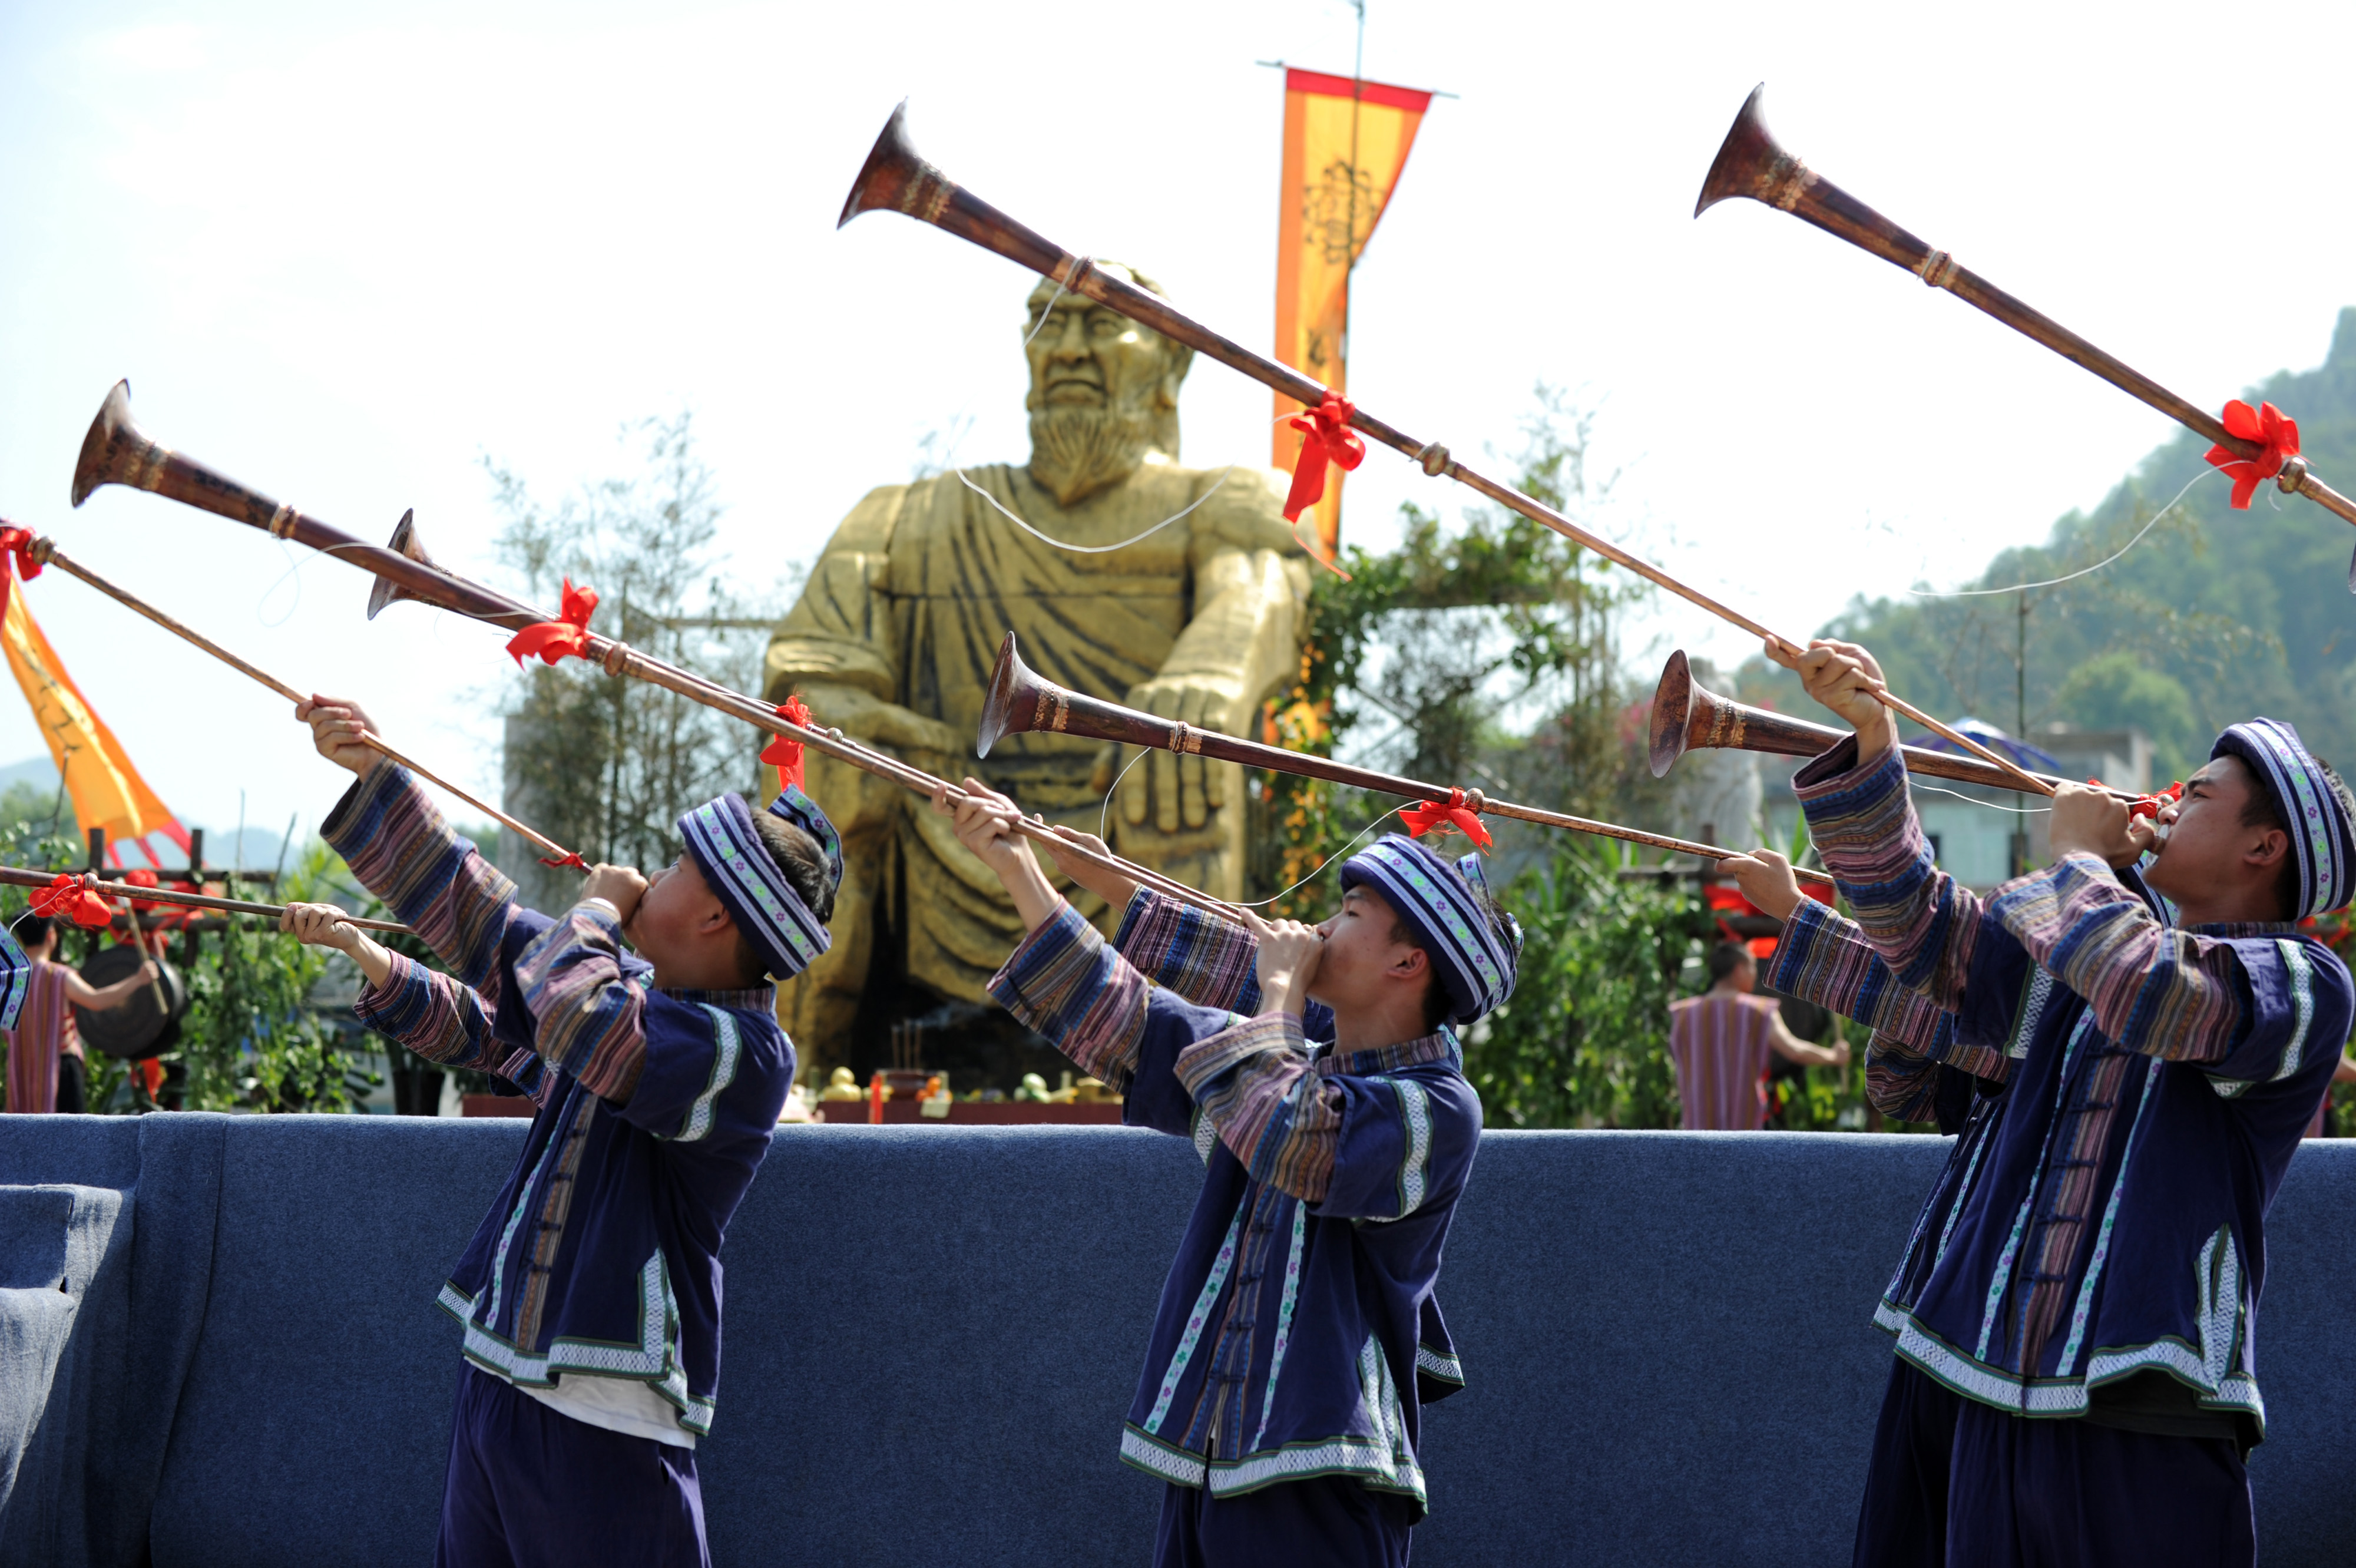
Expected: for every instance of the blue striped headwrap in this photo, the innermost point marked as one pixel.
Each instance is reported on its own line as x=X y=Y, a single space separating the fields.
x=1473 y=946
x=2321 y=838
x=742 y=873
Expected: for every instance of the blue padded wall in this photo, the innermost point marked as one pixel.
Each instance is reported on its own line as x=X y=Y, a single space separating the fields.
x=933 y=1335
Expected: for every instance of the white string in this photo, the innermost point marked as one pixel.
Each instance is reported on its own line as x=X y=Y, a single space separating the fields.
x=1331 y=860
x=1991 y=805
x=1088 y=549
x=1077 y=268
x=1104 y=814
x=2054 y=581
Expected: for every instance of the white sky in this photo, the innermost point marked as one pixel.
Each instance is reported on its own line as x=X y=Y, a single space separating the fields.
x=341 y=252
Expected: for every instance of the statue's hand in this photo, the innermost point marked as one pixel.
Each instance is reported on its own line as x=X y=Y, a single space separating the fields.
x=864 y=717
x=1171 y=789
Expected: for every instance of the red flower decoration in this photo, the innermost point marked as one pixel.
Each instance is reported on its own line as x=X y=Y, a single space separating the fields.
x=2278 y=435
x=2150 y=804
x=568 y=634
x=1455 y=813
x=783 y=752
x=1326 y=437
x=573 y=859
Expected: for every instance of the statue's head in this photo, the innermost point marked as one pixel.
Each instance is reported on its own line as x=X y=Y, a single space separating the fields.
x=1104 y=391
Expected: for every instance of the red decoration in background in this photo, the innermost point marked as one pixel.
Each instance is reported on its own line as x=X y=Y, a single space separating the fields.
x=569 y=634
x=1326 y=438
x=68 y=897
x=142 y=877
x=1422 y=820
x=782 y=753
x=2265 y=426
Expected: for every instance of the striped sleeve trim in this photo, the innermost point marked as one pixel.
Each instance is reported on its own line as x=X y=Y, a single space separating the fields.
x=427 y=1013
x=400 y=847
x=1278 y=1116
x=2163 y=992
x=1204 y=959
x=1915 y=915
x=1063 y=981
x=588 y=1019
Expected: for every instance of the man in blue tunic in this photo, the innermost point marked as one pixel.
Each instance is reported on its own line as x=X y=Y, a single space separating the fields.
x=1315 y=1069
x=2076 y=1381
x=589 y=1297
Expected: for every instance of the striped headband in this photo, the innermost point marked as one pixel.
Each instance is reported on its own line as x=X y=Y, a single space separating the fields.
x=1475 y=945
x=2314 y=812
x=740 y=871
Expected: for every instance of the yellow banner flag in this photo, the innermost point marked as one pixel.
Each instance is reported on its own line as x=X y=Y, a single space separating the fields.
x=107 y=791
x=1346 y=141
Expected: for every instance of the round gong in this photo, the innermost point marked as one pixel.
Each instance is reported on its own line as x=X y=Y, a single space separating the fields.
x=136 y=1028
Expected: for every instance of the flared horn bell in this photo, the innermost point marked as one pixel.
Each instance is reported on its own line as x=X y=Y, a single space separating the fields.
x=1013 y=699
x=895 y=178
x=404 y=541
x=116 y=451
x=1749 y=162
x=1672 y=713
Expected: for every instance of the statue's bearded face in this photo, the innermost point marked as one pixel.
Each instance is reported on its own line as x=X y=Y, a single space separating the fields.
x=1103 y=394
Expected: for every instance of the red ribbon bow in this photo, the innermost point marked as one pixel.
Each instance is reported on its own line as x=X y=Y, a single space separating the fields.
x=2150 y=804
x=2278 y=435
x=1422 y=820
x=782 y=753
x=19 y=541
x=552 y=639
x=67 y=896
x=571 y=859
x=1326 y=437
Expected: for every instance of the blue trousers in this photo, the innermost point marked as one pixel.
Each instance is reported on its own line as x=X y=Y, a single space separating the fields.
x=1957 y=1481
x=528 y=1485
x=1326 y=1521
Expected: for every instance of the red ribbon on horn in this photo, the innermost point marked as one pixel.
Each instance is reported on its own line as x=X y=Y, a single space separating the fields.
x=783 y=752
x=2267 y=426
x=1326 y=437
x=19 y=541
x=67 y=896
x=568 y=634
x=1422 y=820
x=2150 y=804
x=572 y=859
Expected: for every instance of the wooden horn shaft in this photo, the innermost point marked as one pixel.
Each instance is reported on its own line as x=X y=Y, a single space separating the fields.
x=1752 y=164
x=1023 y=702
x=1687 y=716
x=896 y=178
x=16 y=877
x=115 y=447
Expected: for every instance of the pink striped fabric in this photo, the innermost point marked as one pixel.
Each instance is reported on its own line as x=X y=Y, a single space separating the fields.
x=1719 y=1042
x=44 y=1032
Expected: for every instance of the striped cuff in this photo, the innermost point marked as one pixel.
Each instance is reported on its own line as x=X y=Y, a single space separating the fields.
x=1255 y=1084
x=1204 y=959
x=1065 y=983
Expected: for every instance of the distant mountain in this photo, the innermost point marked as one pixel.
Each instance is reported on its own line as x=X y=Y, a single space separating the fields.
x=2215 y=615
x=30 y=789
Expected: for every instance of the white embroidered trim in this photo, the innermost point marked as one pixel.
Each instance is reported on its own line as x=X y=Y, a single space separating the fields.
x=1283 y=1317
x=1206 y=1135
x=723 y=1073
x=1448 y=1368
x=1203 y=1303
x=1159 y=1459
x=1415 y=1165
x=2302 y=990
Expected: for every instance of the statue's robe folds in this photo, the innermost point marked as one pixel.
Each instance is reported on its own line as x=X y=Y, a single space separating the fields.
x=909 y=603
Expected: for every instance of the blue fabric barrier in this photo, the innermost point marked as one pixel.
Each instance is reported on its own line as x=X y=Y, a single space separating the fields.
x=933 y=1333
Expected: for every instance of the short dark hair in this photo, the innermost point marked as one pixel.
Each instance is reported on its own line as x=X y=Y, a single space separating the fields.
x=1726 y=958
x=31 y=931
x=804 y=863
x=2261 y=809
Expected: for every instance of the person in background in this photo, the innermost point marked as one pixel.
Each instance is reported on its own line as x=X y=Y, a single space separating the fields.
x=1722 y=1040
x=45 y=1068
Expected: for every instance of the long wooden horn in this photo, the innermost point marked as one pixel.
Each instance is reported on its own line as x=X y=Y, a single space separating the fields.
x=1024 y=702
x=116 y=452
x=1752 y=164
x=1686 y=714
x=45 y=552
x=17 y=876
x=895 y=179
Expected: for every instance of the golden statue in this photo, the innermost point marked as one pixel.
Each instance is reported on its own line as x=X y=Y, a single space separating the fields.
x=896 y=628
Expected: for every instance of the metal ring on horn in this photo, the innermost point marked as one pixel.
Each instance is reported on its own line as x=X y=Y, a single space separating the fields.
x=1433 y=457
x=617 y=657
x=282 y=522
